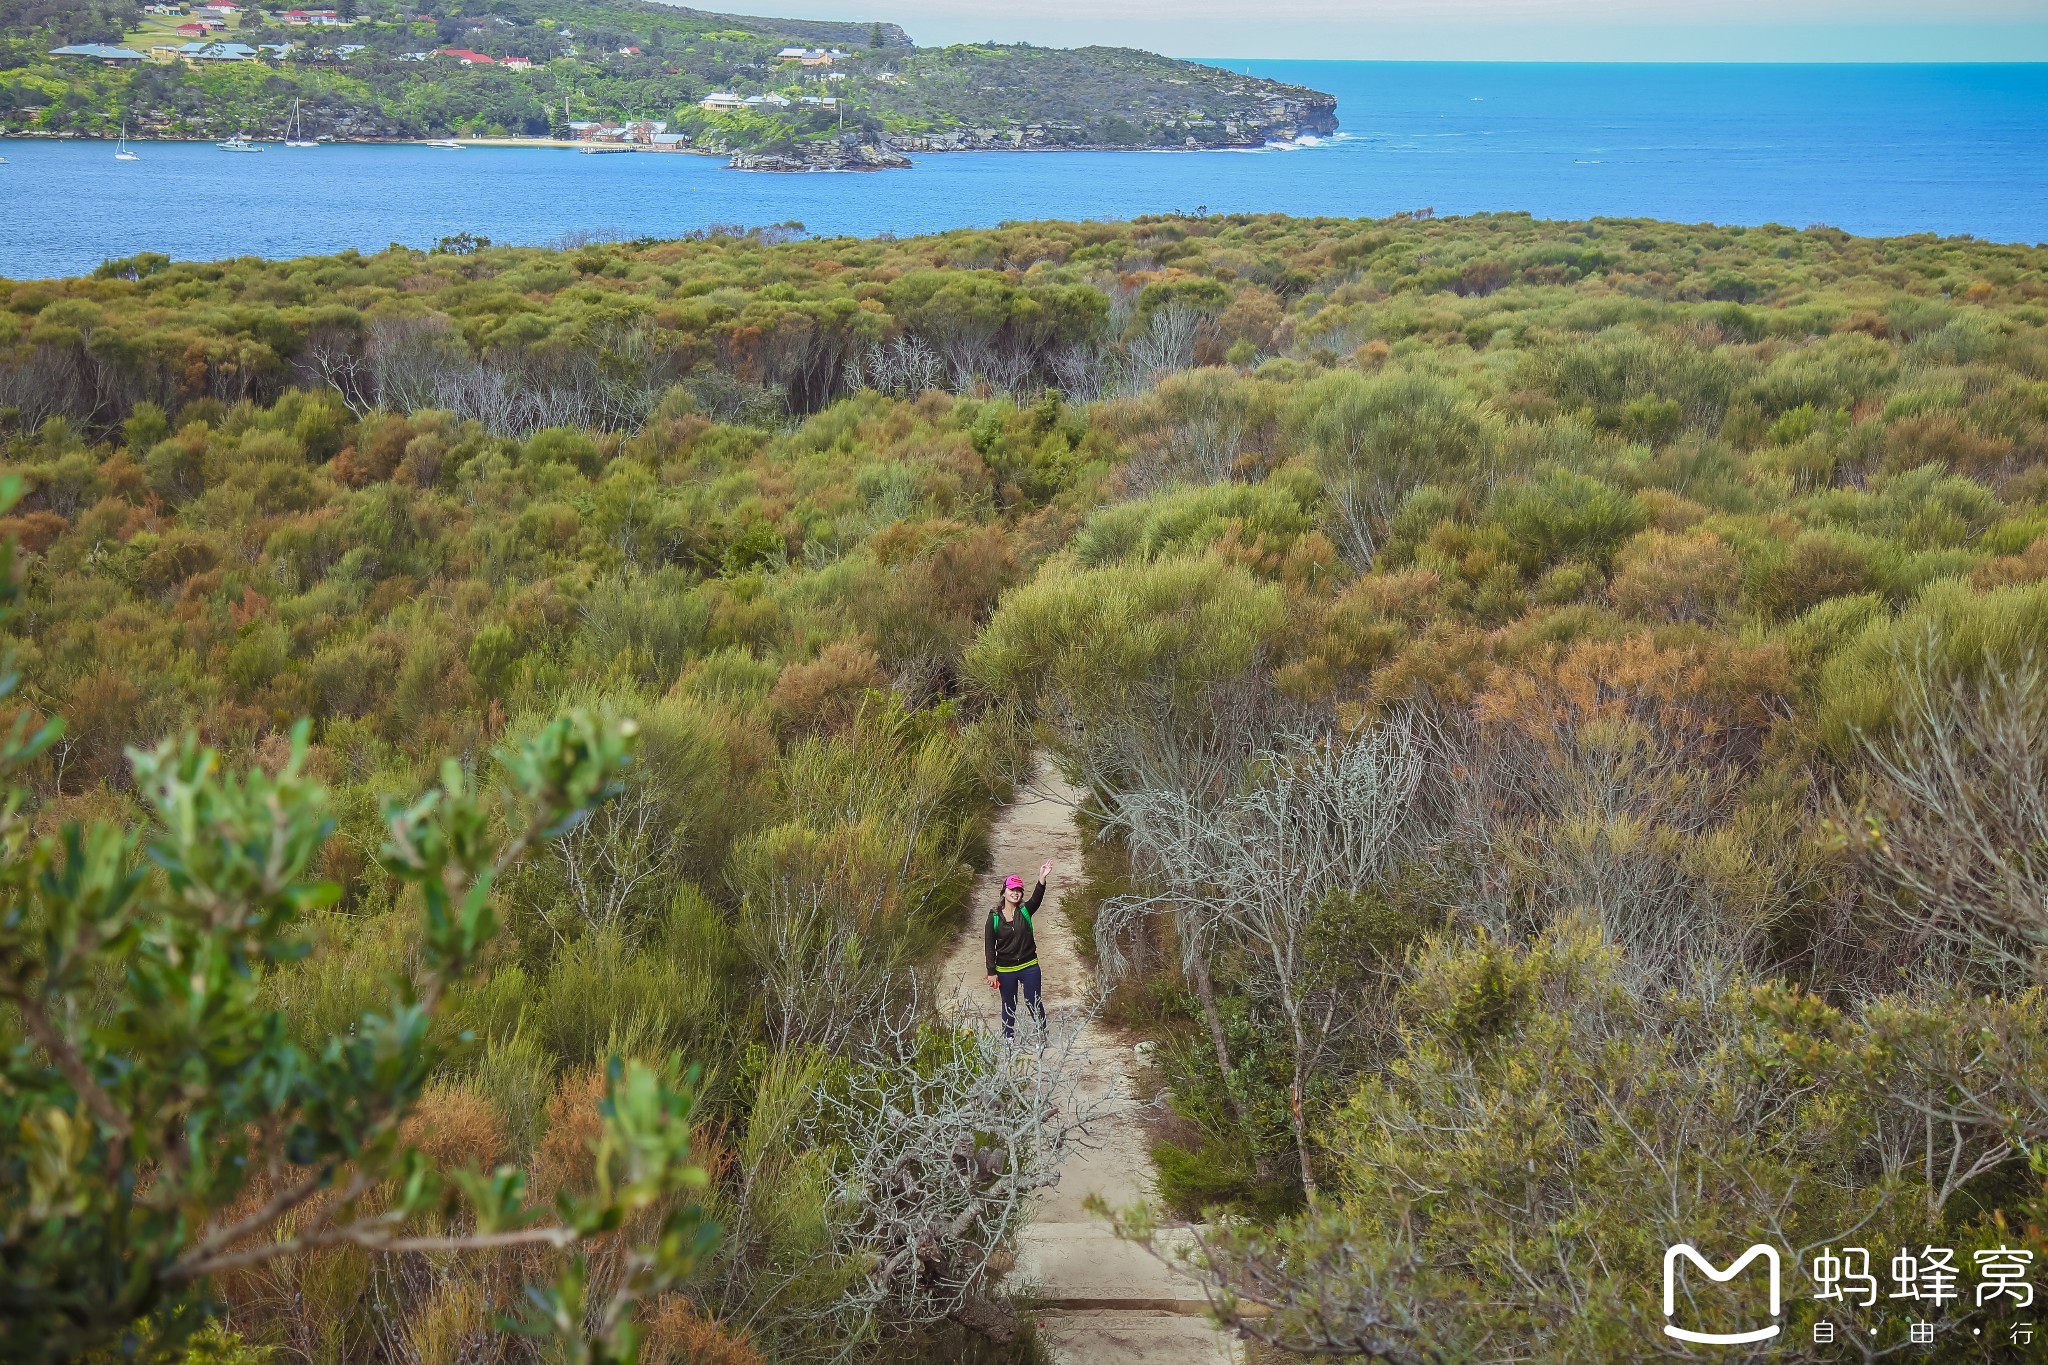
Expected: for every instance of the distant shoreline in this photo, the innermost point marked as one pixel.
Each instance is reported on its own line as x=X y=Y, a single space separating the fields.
x=613 y=149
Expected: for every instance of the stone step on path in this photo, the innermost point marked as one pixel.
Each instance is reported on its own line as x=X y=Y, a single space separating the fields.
x=1086 y=1266
x=1127 y=1336
x=1103 y=1301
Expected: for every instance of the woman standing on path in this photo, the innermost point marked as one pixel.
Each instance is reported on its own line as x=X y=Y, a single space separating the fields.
x=1010 y=953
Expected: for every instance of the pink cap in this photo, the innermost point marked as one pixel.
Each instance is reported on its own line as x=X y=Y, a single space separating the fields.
x=1014 y=884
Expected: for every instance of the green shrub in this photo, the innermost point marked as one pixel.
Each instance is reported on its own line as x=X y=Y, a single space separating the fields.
x=1189 y=521
x=1564 y=515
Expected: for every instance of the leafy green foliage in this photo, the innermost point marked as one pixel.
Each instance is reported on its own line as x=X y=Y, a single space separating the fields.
x=161 y=1140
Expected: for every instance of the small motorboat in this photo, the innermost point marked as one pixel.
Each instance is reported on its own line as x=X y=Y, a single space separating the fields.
x=446 y=144
x=238 y=143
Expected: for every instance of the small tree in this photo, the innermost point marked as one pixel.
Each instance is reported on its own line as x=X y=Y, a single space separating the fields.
x=158 y=1124
x=1317 y=818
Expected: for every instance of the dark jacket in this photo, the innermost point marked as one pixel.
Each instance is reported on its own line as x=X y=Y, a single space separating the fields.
x=1007 y=945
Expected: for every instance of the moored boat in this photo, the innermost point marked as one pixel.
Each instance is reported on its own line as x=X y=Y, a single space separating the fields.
x=295 y=131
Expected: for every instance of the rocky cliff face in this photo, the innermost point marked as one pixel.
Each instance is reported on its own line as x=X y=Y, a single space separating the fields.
x=828 y=156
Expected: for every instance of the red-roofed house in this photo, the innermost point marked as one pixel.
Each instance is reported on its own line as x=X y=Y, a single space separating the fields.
x=518 y=63
x=468 y=58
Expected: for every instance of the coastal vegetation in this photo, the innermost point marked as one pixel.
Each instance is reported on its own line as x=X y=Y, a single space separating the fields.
x=1561 y=707
x=530 y=68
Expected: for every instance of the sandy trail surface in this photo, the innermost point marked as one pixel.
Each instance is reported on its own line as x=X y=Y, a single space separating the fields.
x=1105 y=1302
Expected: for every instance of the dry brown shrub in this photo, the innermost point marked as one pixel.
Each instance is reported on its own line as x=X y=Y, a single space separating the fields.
x=1938 y=438
x=1413 y=596
x=566 y=1157
x=380 y=445
x=347 y=469
x=1254 y=315
x=421 y=464
x=968 y=573
x=455 y=1126
x=678 y=1334
x=122 y=477
x=104 y=711
x=35 y=532
x=824 y=695
x=1821 y=566
x=196 y=596
x=1372 y=355
x=1716 y=699
x=2028 y=566
x=392 y=592
x=1694 y=577
x=1670 y=511
x=902 y=542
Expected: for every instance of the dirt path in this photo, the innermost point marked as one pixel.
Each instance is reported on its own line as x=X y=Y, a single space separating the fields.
x=1107 y=1303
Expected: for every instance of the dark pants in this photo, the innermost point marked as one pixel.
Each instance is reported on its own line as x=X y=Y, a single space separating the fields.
x=1007 y=983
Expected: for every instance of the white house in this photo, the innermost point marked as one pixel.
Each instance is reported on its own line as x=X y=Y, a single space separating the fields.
x=767 y=101
x=723 y=99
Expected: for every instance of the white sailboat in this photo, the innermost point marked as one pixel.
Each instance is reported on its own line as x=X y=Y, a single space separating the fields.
x=295 y=131
x=121 y=152
x=238 y=143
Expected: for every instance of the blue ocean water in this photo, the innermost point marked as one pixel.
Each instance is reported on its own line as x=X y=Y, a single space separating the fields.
x=1872 y=149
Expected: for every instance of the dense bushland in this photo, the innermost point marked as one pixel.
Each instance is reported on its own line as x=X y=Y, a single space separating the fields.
x=1561 y=706
x=783 y=614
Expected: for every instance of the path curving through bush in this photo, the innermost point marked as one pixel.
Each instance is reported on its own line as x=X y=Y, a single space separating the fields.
x=1104 y=1302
